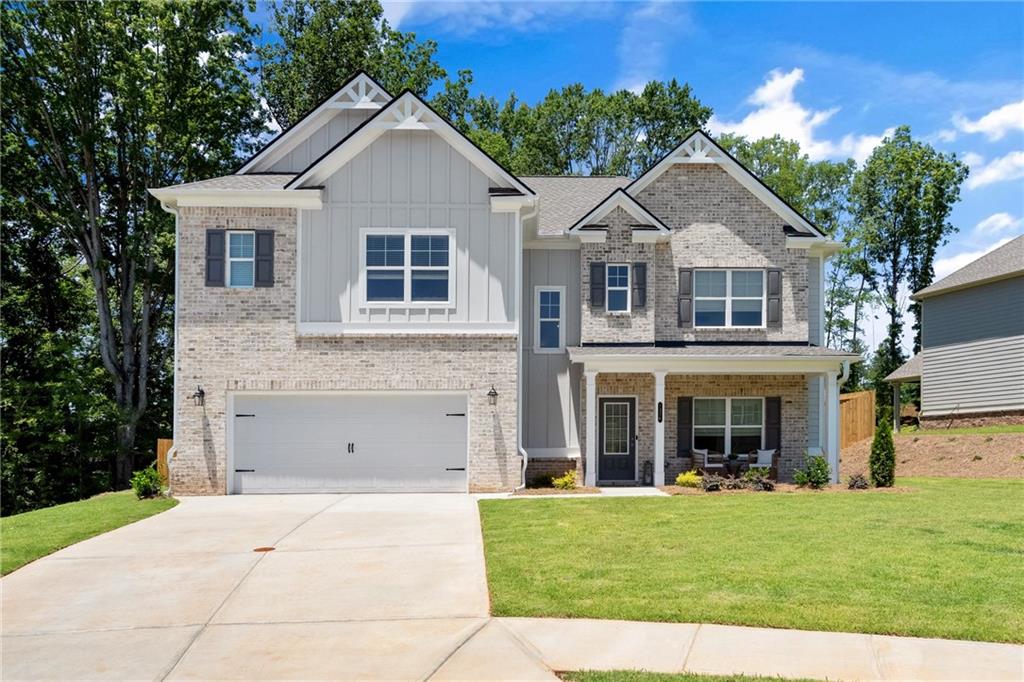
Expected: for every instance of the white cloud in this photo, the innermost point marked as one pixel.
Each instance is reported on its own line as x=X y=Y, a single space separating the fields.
x=1009 y=167
x=996 y=223
x=946 y=266
x=778 y=112
x=995 y=124
x=645 y=40
x=946 y=135
x=491 y=18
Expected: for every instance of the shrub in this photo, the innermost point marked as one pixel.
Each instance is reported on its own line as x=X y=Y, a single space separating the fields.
x=758 y=479
x=147 y=483
x=815 y=474
x=688 y=479
x=858 y=482
x=882 y=462
x=733 y=483
x=567 y=481
x=711 y=482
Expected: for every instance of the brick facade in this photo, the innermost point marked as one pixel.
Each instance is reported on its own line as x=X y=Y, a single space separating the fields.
x=245 y=340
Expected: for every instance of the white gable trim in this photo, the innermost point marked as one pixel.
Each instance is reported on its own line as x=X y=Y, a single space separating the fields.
x=619 y=199
x=359 y=92
x=405 y=112
x=263 y=198
x=701 y=148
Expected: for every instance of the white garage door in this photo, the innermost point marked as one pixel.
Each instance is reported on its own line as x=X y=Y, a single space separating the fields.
x=349 y=443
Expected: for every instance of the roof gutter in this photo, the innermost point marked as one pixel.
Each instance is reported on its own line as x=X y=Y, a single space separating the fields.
x=263 y=198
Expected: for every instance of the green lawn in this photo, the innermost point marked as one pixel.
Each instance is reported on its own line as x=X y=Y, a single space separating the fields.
x=945 y=560
x=643 y=676
x=962 y=431
x=26 y=537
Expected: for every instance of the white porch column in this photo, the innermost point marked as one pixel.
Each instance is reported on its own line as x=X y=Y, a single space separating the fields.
x=832 y=423
x=659 y=428
x=591 y=406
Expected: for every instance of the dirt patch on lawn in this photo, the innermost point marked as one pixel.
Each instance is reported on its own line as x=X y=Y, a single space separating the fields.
x=579 y=490
x=997 y=455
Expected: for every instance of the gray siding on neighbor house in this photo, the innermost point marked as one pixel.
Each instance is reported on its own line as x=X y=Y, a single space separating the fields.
x=325 y=137
x=815 y=334
x=973 y=358
x=551 y=388
x=408 y=179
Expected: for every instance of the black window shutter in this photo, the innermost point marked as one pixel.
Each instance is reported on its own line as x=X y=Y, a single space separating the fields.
x=597 y=284
x=775 y=298
x=215 y=258
x=685 y=297
x=684 y=426
x=772 y=423
x=639 y=285
x=264 y=258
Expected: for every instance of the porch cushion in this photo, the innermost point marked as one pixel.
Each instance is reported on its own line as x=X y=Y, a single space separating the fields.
x=764 y=458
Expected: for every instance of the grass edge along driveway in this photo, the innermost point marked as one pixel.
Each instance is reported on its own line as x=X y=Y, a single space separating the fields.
x=31 y=535
x=941 y=561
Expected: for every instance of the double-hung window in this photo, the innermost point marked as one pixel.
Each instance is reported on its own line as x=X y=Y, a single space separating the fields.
x=549 y=319
x=728 y=425
x=729 y=298
x=618 y=288
x=407 y=267
x=241 y=259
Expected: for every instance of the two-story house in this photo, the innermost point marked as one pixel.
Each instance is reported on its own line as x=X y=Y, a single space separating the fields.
x=372 y=303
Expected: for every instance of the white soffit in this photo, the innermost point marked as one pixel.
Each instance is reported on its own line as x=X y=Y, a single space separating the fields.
x=405 y=112
x=700 y=148
x=359 y=92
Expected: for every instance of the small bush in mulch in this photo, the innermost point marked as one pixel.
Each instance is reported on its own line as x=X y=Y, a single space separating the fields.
x=757 y=479
x=815 y=474
x=566 y=481
x=858 y=482
x=882 y=461
x=688 y=479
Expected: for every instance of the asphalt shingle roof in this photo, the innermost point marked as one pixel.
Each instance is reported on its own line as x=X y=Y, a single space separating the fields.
x=563 y=200
x=908 y=371
x=253 y=182
x=1006 y=261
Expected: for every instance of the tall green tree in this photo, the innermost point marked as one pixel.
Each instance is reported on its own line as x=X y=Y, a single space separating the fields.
x=101 y=100
x=902 y=199
x=314 y=45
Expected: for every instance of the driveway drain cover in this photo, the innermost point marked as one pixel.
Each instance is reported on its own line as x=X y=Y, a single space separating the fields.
x=264 y=549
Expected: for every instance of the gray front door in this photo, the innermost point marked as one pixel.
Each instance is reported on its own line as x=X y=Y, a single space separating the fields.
x=617 y=439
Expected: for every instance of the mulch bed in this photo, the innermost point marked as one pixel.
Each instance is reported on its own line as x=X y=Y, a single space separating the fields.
x=997 y=455
x=784 y=488
x=579 y=490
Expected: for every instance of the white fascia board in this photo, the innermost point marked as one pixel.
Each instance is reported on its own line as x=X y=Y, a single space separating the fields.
x=276 y=198
x=552 y=242
x=816 y=245
x=649 y=236
x=310 y=329
x=510 y=204
x=590 y=236
x=743 y=364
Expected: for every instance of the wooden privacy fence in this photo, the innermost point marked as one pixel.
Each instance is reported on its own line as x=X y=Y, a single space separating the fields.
x=856 y=417
x=162 y=446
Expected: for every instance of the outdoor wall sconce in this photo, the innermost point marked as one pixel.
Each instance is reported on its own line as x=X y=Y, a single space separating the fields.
x=199 y=397
x=492 y=396
x=661 y=412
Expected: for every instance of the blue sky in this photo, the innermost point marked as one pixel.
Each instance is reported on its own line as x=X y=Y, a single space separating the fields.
x=834 y=76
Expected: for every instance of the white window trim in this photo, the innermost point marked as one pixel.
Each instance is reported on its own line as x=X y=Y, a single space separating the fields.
x=407 y=267
x=537 y=290
x=728 y=419
x=628 y=288
x=604 y=425
x=229 y=260
x=729 y=299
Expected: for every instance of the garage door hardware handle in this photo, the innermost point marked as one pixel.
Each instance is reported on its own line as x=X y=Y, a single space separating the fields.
x=245 y=415
x=245 y=471
x=455 y=414
x=455 y=469
x=351 y=447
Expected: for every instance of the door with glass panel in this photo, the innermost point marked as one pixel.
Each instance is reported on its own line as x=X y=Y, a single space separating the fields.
x=617 y=439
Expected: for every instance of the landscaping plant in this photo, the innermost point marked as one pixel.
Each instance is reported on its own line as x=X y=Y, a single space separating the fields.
x=711 y=482
x=567 y=481
x=758 y=479
x=147 y=483
x=815 y=474
x=688 y=479
x=858 y=482
x=882 y=461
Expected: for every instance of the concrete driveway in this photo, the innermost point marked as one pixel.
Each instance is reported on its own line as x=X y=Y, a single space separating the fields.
x=357 y=587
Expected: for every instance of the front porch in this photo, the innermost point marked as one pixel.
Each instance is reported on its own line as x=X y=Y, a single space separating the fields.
x=650 y=413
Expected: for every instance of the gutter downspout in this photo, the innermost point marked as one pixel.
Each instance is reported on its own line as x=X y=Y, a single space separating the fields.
x=519 y=346
x=845 y=374
x=173 y=452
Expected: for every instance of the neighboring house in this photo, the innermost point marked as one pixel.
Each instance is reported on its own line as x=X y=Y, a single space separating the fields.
x=373 y=303
x=971 y=364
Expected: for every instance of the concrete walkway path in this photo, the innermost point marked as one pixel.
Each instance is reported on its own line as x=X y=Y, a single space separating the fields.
x=388 y=587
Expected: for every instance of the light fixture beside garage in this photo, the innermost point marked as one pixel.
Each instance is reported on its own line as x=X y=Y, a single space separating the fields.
x=199 y=397
x=492 y=396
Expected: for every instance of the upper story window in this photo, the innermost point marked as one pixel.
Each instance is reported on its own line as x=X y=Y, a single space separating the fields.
x=618 y=288
x=407 y=267
x=549 y=317
x=241 y=259
x=728 y=425
x=729 y=298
